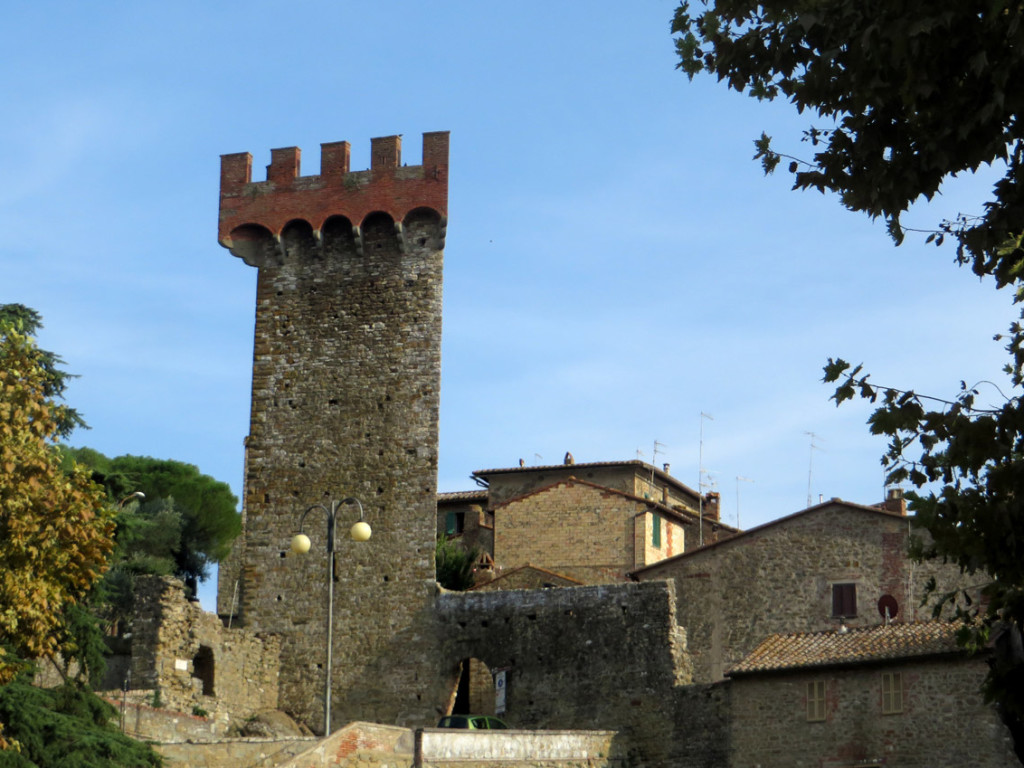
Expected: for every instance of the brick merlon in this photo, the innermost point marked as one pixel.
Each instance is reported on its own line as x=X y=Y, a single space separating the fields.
x=286 y=195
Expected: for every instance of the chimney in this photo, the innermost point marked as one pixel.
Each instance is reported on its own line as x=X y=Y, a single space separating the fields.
x=894 y=502
x=711 y=505
x=666 y=467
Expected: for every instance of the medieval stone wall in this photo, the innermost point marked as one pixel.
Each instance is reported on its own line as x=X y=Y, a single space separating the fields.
x=192 y=660
x=346 y=376
x=597 y=657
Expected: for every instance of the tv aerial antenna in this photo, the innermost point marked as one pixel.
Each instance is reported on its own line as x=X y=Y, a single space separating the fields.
x=700 y=479
x=810 y=463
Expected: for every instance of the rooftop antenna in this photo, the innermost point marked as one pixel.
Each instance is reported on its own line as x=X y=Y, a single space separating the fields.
x=810 y=464
x=739 y=478
x=700 y=479
x=654 y=460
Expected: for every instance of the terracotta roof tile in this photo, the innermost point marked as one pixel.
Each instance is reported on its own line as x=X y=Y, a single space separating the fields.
x=820 y=649
x=475 y=495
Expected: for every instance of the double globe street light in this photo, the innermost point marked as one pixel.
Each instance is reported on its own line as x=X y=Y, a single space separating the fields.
x=360 y=531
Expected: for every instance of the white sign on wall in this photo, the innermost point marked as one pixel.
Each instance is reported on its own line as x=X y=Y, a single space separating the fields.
x=499 y=692
x=181 y=665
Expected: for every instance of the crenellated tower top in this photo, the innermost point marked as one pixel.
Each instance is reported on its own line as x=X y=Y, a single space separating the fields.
x=387 y=187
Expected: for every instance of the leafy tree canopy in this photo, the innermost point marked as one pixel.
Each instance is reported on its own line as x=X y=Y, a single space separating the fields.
x=909 y=95
x=186 y=521
x=55 y=531
x=27 y=322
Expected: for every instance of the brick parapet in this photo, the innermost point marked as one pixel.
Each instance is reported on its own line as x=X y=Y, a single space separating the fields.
x=387 y=186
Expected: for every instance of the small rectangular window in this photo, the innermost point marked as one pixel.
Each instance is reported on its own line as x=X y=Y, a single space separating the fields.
x=455 y=522
x=892 y=693
x=844 y=600
x=656 y=531
x=816 y=701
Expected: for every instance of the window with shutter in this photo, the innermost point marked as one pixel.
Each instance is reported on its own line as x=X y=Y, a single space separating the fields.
x=656 y=531
x=844 y=600
x=455 y=522
x=892 y=693
x=816 y=701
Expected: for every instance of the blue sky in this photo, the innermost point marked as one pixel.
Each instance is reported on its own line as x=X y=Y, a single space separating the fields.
x=615 y=264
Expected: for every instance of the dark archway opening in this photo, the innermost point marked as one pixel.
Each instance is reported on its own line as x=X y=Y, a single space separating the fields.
x=475 y=692
x=202 y=669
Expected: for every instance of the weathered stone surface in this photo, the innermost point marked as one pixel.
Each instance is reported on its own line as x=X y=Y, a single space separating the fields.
x=943 y=721
x=597 y=657
x=778 y=578
x=194 y=661
x=346 y=379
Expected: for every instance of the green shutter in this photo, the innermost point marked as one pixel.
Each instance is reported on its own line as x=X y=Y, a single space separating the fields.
x=656 y=531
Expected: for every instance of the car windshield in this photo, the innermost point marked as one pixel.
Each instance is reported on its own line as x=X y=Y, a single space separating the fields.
x=453 y=721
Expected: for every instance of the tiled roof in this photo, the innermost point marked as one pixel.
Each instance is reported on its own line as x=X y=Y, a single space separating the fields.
x=635 y=463
x=538 y=467
x=477 y=495
x=528 y=567
x=854 y=646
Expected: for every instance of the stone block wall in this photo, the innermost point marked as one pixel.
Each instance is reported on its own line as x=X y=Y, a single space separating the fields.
x=779 y=577
x=194 y=661
x=583 y=531
x=346 y=379
x=633 y=477
x=591 y=658
x=944 y=721
x=701 y=728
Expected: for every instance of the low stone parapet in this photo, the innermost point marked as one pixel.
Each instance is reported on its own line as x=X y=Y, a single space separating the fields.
x=367 y=745
x=444 y=747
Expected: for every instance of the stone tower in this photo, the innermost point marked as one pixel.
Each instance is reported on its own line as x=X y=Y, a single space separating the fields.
x=345 y=392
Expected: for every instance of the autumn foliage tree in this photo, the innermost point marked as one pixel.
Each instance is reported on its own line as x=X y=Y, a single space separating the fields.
x=55 y=530
x=905 y=96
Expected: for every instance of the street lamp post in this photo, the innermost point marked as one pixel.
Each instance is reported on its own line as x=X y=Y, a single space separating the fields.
x=360 y=531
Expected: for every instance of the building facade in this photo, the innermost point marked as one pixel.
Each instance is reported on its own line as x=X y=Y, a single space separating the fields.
x=888 y=695
x=833 y=564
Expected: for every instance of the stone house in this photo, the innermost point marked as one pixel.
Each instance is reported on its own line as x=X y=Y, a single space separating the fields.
x=588 y=523
x=462 y=515
x=586 y=532
x=897 y=694
x=831 y=564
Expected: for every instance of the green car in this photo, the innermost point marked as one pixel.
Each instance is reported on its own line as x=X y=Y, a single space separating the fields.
x=473 y=722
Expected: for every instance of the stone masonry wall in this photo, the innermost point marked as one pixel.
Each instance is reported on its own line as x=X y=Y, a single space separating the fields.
x=944 y=722
x=346 y=378
x=194 y=661
x=778 y=578
x=587 y=533
x=599 y=657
